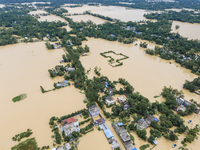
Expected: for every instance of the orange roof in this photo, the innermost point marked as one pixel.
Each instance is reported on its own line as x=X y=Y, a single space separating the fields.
x=69 y=120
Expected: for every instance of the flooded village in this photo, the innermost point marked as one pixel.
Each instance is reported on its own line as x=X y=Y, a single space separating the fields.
x=58 y=108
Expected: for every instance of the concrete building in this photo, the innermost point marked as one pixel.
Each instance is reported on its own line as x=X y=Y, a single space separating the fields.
x=63 y=147
x=183 y=104
x=126 y=105
x=99 y=121
x=121 y=99
x=126 y=140
x=69 y=69
x=84 y=54
x=145 y=123
x=70 y=125
x=94 y=110
x=62 y=84
x=110 y=100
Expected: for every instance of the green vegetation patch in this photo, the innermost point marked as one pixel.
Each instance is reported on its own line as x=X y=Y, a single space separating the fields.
x=143 y=147
x=20 y=136
x=19 y=97
x=29 y=144
x=112 y=60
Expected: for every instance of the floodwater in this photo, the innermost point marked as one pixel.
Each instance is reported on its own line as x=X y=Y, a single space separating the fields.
x=192 y=31
x=23 y=69
x=147 y=74
x=38 y=12
x=51 y=18
x=94 y=140
x=117 y=12
x=86 y=18
x=140 y=70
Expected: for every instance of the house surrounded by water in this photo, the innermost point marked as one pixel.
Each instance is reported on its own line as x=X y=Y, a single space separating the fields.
x=70 y=125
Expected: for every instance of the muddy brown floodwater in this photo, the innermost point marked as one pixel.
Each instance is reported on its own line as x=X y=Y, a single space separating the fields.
x=23 y=69
x=87 y=18
x=148 y=75
x=192 y=31
x=117 y=12
x=50 y=18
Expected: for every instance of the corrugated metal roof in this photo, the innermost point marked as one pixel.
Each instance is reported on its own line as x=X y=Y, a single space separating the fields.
x=108 y=133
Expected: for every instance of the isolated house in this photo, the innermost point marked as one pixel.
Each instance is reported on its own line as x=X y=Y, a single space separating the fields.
x=94 y=110
x=126 y=105
x=121 y=99
x=69 y=69
x=110 y=100
x=62 y=84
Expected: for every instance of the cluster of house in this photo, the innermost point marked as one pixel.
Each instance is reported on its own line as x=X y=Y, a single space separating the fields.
x=183 y=57
x=126 y=140
x=62 y=84
x=145 y=123
x=95 y=111
x=63 y=147
x=183 y=104
x=132 y=29
x=68 y=126
x=121 y=100
x=167 y=38
x=56 y=46
x=111 y=101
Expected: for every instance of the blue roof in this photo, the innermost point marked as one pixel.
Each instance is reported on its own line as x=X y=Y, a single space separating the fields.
x=108 y=133
x=155 y=119
x=120 y=124
x=134 y=149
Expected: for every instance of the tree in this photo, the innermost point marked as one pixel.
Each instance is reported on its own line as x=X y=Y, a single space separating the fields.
x=142 y=134
x=177 y=27
x=151 y=139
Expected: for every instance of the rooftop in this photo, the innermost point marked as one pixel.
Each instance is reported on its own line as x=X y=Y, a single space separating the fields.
x=99 y=121
x=121 y=131
x=68 y=121
x=145 y=123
